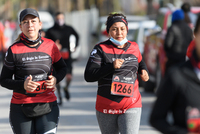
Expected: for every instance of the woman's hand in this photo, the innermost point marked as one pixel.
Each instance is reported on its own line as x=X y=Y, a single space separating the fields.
x=144 y=75
x=51 y=82
x=30 y=85
x=118 y=63
x=58 y=44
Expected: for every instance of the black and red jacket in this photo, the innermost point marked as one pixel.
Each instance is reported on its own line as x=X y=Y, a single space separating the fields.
x=22 y=60
x=100 y=68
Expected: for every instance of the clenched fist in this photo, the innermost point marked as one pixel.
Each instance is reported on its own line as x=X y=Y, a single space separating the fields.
x=118 y=63
x=144 y=75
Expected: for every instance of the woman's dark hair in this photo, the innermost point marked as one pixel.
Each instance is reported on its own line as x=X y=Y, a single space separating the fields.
x=186 y=7
x=187 y=18
x=197 y=26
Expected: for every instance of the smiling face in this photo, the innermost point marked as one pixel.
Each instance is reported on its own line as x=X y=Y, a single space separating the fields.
x=30 y=26
x=118 y=31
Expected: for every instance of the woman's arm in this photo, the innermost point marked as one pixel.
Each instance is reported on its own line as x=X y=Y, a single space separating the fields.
x=6 y=78
x=96 y=68
x=7 y=81
x=60 y=70
x=143 y=71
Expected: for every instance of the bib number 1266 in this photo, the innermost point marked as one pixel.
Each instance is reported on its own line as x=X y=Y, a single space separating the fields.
x=123 y=89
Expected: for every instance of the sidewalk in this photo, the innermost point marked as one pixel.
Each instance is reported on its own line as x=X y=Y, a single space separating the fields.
x=77 y=116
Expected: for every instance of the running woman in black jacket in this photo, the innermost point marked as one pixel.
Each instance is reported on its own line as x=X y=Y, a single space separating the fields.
x=115 y=64
x=28 y=71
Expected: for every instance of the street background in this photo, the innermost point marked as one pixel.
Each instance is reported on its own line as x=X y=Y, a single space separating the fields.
x=77 y=116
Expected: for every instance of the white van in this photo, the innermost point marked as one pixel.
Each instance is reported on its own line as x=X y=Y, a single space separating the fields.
x=46 y=19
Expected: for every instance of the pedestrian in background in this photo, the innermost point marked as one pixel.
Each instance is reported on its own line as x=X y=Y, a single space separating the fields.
x=115 y=64
x=64 y=35
x=179 y=95
x=28 y=71
x=179 y=35
x=189 y=17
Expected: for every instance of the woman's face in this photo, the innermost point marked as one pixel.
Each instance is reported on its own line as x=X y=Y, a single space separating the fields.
x=30 y=26
x=118 y=31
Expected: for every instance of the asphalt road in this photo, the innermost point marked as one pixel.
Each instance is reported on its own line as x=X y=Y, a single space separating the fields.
x=77 y=116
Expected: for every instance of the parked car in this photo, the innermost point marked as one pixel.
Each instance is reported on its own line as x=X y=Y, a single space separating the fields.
x=154 y=54
x=141 y=32
x=46 y=19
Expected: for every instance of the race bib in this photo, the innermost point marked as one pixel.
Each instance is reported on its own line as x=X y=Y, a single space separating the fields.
x=39 y=78
x=193 y=119
x=123 y=86
x=64 y=53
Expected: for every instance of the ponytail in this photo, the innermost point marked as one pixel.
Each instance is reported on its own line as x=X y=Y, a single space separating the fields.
x=18 y=38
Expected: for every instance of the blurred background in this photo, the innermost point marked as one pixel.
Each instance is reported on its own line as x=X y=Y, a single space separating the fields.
x=148 y=23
